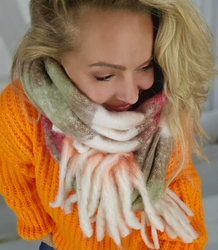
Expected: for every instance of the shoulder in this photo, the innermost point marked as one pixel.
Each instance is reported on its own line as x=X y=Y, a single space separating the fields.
x=15 y=108
x=18 y=131
x=13 y=99
x=182 y=170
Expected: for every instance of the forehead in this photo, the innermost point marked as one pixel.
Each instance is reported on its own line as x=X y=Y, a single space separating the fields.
x=92 y=15
x=114 y=25
x=115 y=36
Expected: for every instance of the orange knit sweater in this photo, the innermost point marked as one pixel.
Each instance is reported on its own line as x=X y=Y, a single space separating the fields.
x=29 y=179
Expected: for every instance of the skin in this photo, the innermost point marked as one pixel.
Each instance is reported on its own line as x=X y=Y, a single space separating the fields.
x=117 y=38
x=48 y=240
x=112 y=64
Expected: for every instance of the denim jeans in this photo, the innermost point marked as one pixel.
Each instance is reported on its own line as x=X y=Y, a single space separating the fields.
x=44 y=246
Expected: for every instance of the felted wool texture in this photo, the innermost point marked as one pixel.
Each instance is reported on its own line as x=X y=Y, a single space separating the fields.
x=55 y=96
x=136 y=150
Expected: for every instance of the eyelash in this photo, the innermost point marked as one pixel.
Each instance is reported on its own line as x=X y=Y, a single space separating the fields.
x=107 y=78
x=147 y=67
x=104 y=79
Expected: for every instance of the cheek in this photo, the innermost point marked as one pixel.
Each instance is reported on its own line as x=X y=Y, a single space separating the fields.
x=151 y=78
x=147 y=80
x=95 y=92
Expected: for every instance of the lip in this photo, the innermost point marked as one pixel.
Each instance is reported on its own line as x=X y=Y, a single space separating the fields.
x=118 y=107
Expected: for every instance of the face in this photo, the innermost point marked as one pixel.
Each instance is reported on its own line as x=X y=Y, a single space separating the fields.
x=113 y=63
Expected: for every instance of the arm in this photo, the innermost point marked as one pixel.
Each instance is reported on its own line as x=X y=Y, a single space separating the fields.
x=17 y=174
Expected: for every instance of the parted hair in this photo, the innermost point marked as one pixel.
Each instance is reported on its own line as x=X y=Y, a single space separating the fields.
x=182 y=49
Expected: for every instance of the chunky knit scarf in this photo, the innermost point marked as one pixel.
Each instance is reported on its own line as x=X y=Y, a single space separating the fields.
x=111 y=163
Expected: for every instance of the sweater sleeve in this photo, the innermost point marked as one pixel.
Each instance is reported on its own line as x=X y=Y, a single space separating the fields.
x=17 y=172
x=187 y=187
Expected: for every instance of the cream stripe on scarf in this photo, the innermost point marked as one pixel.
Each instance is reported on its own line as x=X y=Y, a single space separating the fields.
x=115 y=162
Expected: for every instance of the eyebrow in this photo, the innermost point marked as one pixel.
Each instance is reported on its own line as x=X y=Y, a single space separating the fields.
x=115 y=66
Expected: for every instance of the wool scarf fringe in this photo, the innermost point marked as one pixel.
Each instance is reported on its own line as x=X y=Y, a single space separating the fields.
x=105 y=183
x=112 y=159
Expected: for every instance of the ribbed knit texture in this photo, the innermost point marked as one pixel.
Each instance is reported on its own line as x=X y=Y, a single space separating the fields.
x=29 y=179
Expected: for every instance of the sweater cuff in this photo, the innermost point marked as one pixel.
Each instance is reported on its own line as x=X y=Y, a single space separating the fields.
x=35 y=224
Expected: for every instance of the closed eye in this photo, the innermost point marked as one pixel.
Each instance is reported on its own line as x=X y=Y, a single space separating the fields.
x=147 y=67
x=108 y=77
x=105 y=78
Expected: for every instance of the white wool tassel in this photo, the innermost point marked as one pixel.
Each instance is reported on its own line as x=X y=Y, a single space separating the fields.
x=95 y=194
x=121 y=223
x=110 y=206
x=66 y=154
x=125 y=190
x=71 y=172
x=105 y=187
x=100 y=222
x=86 y=180
x=170 y=232
x=83 y=193
x=172 y=211
x=70 y=175
x=155 y=237
x=111 y=210
x=68 y=206
x=153 y=217
x=143 y=233
x=181 y=204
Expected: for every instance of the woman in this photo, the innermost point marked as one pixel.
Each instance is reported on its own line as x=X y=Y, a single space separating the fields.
x=98 y=128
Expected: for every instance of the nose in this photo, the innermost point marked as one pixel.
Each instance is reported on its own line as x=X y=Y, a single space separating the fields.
x=129 y=92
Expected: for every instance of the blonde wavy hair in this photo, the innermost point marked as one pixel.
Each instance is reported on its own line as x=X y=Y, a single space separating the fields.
x=182 y=49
